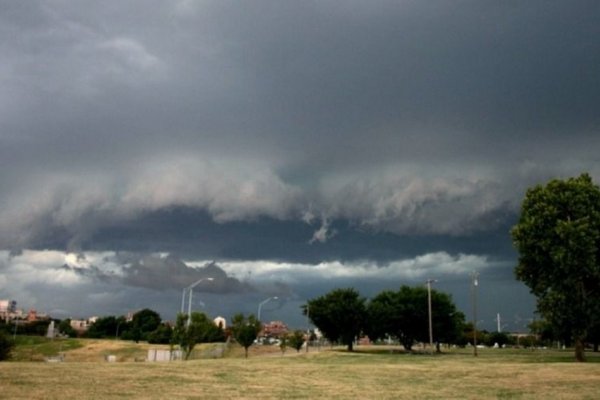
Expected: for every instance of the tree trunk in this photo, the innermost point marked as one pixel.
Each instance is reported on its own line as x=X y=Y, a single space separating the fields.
x=437 y=347
x=579 y=350
x=246 y=351
x=350 y=346
x=595 y=347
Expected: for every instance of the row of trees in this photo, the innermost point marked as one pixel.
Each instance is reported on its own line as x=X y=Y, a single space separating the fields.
x=187 y=332
x=145 y=325
x=343 y=315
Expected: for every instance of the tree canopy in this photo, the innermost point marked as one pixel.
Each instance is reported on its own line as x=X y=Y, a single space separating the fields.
x=65 y=328
x=144 y=322
x=6 y=346
x=339 y=315
x=296 y=340
x=245 y=330
x=200 y=330
x=403 y=314
x=558 y=240
x=105 y=327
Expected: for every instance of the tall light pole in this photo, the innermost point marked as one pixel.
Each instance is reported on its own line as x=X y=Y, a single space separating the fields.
x=474 y=284
x=183 y=300
x=117 y=332
x=429 y=282
x=191 y=289
x=263 y=303
x=307 y=325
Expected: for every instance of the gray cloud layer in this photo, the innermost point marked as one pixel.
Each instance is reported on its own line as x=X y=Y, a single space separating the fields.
x=399 y=116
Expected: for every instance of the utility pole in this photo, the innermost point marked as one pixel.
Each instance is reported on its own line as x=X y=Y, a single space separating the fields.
x=474 y=284
x=307 y=325
x=429 y=282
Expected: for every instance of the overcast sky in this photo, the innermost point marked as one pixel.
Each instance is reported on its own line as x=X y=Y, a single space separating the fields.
x=283 y=148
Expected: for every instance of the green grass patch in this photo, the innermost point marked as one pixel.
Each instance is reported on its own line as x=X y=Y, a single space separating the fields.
x=37 y=348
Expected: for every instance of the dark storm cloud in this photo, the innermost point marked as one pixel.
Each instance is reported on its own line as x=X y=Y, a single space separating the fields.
x=170 y=272
x=158 y=273
x=419 y=113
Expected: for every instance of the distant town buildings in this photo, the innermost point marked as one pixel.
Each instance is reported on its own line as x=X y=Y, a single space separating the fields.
x=10 y=312
x=82 y=325
x=274 y=329
x=33 y=315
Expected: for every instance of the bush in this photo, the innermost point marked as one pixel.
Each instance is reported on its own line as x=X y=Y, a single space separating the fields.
x=499 y=338
x=6 y=346
x=162 y=335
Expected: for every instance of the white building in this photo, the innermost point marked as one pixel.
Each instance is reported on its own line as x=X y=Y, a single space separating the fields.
x=82 y=325
x=220 y=321
x=7 y=308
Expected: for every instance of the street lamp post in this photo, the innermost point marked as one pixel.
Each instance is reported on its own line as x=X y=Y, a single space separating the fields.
x=307 y=325
x=183 y=300
x=429 y=282
x=474 y=285
x=263 y=303
x=191 y=289
x=117 y=332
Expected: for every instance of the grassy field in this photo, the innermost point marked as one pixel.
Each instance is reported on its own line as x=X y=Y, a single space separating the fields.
x=369 y=373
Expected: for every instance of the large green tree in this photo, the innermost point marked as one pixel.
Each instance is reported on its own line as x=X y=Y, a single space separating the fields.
x=404 y=315
x=161 y=335
x=144 y=322
x=201 y=329
x=339 y=315
x=558 y=239
x=107 y=327
x=245 y=330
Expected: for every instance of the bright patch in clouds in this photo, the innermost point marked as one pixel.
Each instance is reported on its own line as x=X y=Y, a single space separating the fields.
x=56 y=268
x=108 y=283
x=427 y=265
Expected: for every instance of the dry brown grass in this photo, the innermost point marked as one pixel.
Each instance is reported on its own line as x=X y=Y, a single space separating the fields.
x=95 y=350
x=326 y=374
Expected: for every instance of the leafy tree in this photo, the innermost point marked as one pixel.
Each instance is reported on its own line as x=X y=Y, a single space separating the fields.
x=200 y=330
x=283 y=343
x=448 y=323
x=594 y=335
x=404 y=315
x=558 y=239
x=144 y=322
x=499 y=338
x=106 y=327
x=37 y=328
x=5 y=326
x=245 y=330
x=340 y=315
x=6 y=346
x=161 y=335
x=544 y=331
x=65 y=328
x=296 y=340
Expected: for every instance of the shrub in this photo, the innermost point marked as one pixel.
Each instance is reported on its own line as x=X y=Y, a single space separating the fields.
x=6 y=346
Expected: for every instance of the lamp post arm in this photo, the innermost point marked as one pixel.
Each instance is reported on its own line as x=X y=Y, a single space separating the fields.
x=191 y=289
x=263 y=303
